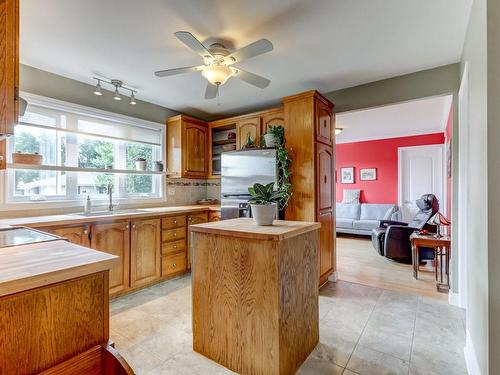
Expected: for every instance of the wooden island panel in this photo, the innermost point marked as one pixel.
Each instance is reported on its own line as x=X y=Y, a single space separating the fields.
x=255 y=300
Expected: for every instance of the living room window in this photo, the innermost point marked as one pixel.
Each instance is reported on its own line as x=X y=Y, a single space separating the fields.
x=82 y=150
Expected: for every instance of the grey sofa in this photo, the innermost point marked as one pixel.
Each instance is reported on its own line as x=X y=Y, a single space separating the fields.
x=361 y=218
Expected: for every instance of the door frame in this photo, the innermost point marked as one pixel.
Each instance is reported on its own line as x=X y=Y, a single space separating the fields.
x=441 y=147
x=462 y=214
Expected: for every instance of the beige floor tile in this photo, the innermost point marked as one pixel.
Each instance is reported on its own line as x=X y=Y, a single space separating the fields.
x=191 y=363
x=140 y=360
x=366 y=361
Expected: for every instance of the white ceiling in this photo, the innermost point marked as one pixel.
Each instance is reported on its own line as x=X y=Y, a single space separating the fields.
x=321 y=44
x=424 y=116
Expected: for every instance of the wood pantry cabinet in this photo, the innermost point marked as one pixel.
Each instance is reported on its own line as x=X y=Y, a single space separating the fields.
x=310 y=138
x=187 y=147
x=9 y=74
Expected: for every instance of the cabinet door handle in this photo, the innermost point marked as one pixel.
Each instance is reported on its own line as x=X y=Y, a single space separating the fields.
x=175 y=221
x=127 y=226
x=325 y=179
x=175 y=234
x=85 y=231
x=133 y=226
x=175 y=246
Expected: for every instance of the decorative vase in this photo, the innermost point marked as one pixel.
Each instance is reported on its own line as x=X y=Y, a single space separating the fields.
x=264 y=214
x=270 y=140
x=140 y=165
x=158 y=166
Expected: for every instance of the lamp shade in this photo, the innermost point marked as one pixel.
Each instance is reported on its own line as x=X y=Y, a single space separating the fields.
x=439 y=219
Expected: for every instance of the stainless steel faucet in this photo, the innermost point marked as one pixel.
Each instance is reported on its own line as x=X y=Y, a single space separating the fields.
x=110 y=193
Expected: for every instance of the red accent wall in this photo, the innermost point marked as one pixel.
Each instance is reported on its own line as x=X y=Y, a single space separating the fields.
x=383 y=155
x=448 y=140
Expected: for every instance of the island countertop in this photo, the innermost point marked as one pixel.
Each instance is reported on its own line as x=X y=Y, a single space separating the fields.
x=34 y=265
x=246 y=228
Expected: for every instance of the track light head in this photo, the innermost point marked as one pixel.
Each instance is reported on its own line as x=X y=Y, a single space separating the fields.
x=132 y=99
x=98 y=90
x=117 y=95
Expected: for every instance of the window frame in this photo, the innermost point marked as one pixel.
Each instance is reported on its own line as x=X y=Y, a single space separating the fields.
x=9 y=200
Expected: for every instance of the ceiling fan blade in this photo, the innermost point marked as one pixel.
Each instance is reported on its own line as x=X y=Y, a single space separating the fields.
x=172 y=72
x=254 y=49
x=252 y=78
x=189 y=40
x=211 y=91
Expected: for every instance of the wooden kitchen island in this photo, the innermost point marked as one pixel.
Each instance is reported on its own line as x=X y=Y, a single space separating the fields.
x=255 y=294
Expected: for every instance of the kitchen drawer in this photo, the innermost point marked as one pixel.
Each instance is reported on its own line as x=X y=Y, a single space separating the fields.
x=173 y=234
x=214 y=216
x=198 y=218
x=173 y=247
x=172 y=222
x=173 y=264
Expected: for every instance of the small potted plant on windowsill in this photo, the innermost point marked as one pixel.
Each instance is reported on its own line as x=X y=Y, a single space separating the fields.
x=140 y=164
x=264 y=203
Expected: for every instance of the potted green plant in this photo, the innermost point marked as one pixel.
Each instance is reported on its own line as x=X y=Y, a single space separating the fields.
x=264 y=203
x=274 y=135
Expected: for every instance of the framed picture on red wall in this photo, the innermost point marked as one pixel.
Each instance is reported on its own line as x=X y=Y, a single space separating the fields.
x=368 y=174
x=347 y=175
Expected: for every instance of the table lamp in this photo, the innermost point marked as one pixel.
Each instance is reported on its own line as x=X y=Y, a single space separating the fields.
x=438 y=219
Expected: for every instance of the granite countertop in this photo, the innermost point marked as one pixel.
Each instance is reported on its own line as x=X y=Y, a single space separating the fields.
x=246 y=228
x=48 y=220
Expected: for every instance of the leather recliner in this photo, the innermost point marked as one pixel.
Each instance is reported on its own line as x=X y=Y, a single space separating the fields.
x=392 y=238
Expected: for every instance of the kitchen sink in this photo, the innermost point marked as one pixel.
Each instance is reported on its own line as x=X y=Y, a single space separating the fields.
x=109 y=213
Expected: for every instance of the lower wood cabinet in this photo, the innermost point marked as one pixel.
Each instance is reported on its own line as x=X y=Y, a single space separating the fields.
x=114 y=238
x=192 y=219
x=78 y=234
x=326 y=249
x=173 y=264
x=145 y=259
x=214 y=216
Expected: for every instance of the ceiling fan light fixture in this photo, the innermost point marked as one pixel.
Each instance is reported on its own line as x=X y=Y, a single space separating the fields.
x=217 y=74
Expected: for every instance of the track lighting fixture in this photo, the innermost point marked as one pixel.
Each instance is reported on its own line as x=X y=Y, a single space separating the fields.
x=118 y=85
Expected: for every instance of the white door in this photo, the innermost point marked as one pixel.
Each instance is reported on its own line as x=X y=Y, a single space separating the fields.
x=420 y=171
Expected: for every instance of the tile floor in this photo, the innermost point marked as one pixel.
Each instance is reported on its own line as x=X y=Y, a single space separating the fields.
x=363 y=330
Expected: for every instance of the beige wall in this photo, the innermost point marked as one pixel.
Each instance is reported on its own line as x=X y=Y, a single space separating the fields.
x=493 y=21
x=475 y=56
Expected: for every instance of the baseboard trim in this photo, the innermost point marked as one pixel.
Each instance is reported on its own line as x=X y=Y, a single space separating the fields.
x=454 y=299
x=471 y=357
x=333 y=276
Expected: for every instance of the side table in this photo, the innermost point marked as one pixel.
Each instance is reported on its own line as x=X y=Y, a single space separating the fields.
x=442 y=249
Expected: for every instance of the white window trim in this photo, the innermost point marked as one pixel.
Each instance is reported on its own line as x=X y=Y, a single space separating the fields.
x=6 y=205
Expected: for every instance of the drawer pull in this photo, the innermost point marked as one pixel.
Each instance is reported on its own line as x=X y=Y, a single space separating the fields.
x=175 y=221
x=175 y=234
x=174 y=265
x=175 y=246
x=85 y=231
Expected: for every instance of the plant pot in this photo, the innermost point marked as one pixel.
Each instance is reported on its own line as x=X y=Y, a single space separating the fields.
x=140 y=165
x=263 y=214
x=269 y=140
x=158 y=166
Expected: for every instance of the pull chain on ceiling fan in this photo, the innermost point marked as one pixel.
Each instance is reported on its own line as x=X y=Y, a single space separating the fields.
x=218 y=63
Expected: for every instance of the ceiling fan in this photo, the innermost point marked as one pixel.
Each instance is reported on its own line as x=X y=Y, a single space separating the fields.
x=218 y=63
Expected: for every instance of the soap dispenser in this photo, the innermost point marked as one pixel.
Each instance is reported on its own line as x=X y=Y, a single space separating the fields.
x=88 y=205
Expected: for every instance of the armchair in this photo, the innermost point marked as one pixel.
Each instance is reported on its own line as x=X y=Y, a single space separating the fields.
x=392 y=238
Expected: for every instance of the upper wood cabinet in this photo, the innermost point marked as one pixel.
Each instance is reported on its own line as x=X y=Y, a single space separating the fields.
x=187 y=147
x=248 y=127
x=78 y=234
x=9 y=71
x=114 y=238
x=325 y=173
x=145 y=253
x=273 y=117
x=324 y=123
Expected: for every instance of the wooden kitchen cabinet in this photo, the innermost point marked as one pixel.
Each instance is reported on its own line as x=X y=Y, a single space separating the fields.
x=187 y=147
x=195 y=218
x=273 y=117
x=325 y=173
x=9 y=72
x=248 y=126
x=114 y=238
x=326 y=236
x=324 y=123
x=145 y=251
x=77 y=234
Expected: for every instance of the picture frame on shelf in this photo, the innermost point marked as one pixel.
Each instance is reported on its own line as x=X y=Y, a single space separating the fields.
x=347 y=175
x=368 y=174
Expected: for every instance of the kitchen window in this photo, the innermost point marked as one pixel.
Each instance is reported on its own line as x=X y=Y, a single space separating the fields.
x=83 y=150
